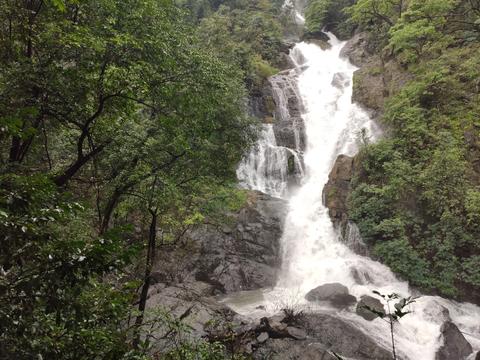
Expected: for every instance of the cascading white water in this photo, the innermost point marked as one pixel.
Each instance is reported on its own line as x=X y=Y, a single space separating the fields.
x=312 y=252
x=266 y=168
x=270 y=167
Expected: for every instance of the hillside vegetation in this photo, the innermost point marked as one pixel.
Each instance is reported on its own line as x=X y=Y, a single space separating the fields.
x=416 y=198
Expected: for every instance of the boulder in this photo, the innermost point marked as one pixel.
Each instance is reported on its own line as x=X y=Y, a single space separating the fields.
x=372 y=303
x=344 y=338
x=335 y=293
x=455 y=346
x=243 y=256
x=335 y=194
x=296 y=333
x=289 y=349
x=204 y=315
x=275 y=326
x=326 y=292
x=325 y=334
x=356 y=49
x=337 y=189
x=262 y=337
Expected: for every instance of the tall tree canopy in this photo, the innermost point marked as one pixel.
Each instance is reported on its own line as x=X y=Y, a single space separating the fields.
x=107 y=108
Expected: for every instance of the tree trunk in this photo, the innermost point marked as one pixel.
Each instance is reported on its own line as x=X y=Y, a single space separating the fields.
x=146 y=280
x=62 y=179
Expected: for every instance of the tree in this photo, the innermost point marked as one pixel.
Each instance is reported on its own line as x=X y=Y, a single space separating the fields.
x=392 y=316
x=53 y=301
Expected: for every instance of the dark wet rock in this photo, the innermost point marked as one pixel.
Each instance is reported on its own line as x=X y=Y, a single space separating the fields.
x=350 y=234
x=262 y=337
x=315 y=36
x=249 y=257
x=361 y=277
x=368 y=302
x=335 y=195
x=356 y=50
x=244 y=255
x=241 y=254
x=368 y=89
x=190 y=303
x=289 y=349
x=455 y=346
x=326 y=292
x=477 y=357
x=344 y=338
x=275 y=326
x=377 y=77
x=288 y=124
x=336 y=294
x=296 y=333
x=337 y=189
x=322 y=43
x=261 y=103
x=325 y=334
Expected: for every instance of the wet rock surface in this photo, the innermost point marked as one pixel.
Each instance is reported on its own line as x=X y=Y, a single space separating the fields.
x=335 y=293
x=337 y=189
x=356 y=50
x=335 y=194
x=377 y=77
x=366 y=304
x=288 y=124
x=455 y=346
x=323 y=335
x=241 y=253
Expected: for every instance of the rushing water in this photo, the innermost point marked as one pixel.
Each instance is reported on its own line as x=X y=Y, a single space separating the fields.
x=312 y=252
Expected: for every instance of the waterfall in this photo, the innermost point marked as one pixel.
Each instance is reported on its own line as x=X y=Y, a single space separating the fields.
x=275 y=164
x=312 y=251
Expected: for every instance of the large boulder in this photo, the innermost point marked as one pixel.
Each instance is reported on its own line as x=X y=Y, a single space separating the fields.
x=246 y=255
x=356 y=50
x=455 y=346
x=325 y=335
x=335 y=194
x=289 y=349
x=337 y=189
x=335 y=293
x=241 y=253
x=365 y=304
x=377 y=77
x=188 y=302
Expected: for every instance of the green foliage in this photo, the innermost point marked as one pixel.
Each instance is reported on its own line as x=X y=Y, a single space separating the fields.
x=329 y=14
x=392 y=316
x=416 y=197
x=316 y=15
x=376 y=14
x=419 y=29
x=248 y=34
x=51 y=276
x=111 y=111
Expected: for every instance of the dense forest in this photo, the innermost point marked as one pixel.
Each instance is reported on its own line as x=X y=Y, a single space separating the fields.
x=122 y=124
x=114 y=114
